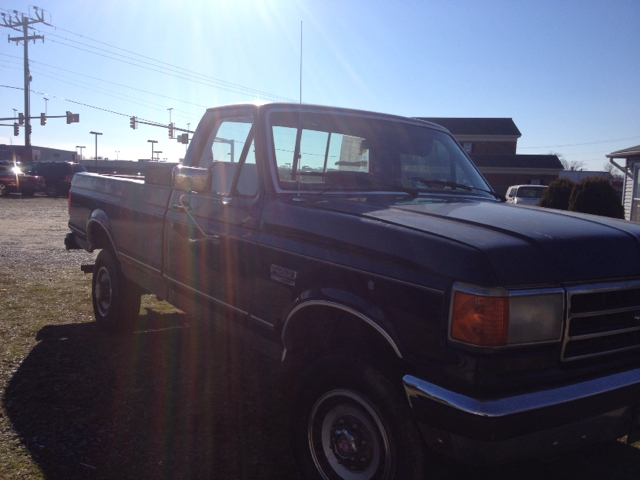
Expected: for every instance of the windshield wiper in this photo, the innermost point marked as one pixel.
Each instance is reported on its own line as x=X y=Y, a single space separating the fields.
x=455 y=185
x=368 y=181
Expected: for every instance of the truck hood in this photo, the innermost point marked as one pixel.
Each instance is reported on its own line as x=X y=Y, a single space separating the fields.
x=523 y=245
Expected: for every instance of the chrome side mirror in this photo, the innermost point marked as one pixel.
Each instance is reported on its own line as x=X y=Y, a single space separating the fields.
x=191 y=179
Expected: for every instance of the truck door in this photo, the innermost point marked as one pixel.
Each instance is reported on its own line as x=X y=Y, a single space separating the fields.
x=210 y=238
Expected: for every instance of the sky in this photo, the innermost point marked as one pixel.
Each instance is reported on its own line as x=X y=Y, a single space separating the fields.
x=566 y=71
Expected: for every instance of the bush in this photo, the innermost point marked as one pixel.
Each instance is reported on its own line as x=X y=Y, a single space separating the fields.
x=596 y=196
x=558 y=194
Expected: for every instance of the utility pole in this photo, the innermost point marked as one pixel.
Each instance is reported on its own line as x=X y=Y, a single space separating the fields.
x=16 y=24
x=152 y=142
x=96 y=157
x=80 y=147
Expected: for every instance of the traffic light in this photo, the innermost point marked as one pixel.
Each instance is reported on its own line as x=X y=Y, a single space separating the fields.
x=171 y=126
x=184 y=138
x=16 y=129
x=21 y=118
x=73 y=117
x=132 y=122
x=43 y=119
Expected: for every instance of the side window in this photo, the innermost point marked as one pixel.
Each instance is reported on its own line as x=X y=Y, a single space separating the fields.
x=223 y=155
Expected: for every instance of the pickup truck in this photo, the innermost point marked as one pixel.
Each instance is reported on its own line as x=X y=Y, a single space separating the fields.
x=408 y=304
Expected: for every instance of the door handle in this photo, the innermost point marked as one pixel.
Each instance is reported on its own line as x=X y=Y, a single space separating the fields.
x=214 y=239
x=177 y=206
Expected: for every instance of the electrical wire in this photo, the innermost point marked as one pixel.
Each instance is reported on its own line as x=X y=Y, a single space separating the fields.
x=86 y=105
x=174 y=69
x=586 y=143
x=210 y=81
x=33 y=62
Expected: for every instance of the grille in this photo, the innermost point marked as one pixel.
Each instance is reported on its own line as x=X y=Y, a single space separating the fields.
x=602 y=320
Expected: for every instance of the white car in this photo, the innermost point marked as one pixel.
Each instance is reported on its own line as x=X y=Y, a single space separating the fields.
x=525 y=194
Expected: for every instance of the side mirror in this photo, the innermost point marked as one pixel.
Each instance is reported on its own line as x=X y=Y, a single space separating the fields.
x=191 y=179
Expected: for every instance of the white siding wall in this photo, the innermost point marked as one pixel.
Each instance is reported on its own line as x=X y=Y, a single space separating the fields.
x=627 y=192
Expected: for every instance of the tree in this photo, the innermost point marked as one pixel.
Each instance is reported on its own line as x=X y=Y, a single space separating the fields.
x=572 y=165
x=612 y=170
x=557 y=194
x=596 y=196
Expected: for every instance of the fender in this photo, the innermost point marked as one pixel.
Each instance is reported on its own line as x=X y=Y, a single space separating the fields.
x=100 y=217
x=341 y=300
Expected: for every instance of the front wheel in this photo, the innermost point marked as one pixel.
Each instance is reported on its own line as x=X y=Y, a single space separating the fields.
x=352 y=424
x=116 y=300
x=4 y=190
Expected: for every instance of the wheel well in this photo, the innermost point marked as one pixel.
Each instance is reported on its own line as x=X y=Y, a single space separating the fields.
x=98 y=237
x=317 y=330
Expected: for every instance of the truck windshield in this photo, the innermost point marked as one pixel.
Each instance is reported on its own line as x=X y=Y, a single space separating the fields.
x=346 y=152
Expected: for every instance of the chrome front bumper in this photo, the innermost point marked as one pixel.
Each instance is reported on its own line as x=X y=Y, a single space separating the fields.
x=503 y=429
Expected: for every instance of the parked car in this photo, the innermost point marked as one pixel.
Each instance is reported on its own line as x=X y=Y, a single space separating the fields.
x=57 y=175
x=525 y=194
x=13 y=180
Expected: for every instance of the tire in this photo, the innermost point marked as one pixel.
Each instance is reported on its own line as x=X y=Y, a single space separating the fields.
x=52 y=191
x=116 y=300
x=351 y=423
x=28 y=192
x=4 y=190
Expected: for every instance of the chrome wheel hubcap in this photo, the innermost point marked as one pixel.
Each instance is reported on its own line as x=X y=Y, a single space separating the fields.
x=103 y=291
x=347 y=438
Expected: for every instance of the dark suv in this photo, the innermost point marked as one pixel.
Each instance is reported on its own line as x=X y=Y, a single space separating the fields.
x=57 y=175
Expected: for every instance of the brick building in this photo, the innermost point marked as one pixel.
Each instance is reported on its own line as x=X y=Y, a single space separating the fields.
x=492 y=144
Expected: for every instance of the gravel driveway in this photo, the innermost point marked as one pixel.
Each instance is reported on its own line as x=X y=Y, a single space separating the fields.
x=32 y=232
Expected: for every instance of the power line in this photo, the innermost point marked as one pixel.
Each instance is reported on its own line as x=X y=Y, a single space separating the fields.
x=174 y=68
x=209 y=84
x=85 y=105
x=113 y=83
x=117 y=95
x=211 y=81
x=587 y=143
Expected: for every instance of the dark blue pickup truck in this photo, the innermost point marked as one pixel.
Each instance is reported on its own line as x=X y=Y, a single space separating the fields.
x=367 y=255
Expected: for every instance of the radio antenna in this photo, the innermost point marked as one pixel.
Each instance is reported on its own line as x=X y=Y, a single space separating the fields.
x=301 y=62
x=296 y=154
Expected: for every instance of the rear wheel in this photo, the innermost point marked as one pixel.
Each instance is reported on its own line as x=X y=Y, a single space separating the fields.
x=116 y=300
x=351 y=423
x=52 y=191
x=4 y=190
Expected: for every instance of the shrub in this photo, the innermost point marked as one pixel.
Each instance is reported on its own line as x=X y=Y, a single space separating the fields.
x=558 y=194
x=596 y=196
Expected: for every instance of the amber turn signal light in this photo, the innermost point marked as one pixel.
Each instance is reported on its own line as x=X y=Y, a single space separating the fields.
x=479 y=320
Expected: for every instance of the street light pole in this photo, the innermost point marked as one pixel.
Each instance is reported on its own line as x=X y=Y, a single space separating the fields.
x=96 y=157
x=80 y=147
x=152 y=142
x=117 y=153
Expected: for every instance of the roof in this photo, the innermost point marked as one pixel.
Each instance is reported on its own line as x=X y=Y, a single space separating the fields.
x=517 y=161
x=477 y=126
x=627 y=152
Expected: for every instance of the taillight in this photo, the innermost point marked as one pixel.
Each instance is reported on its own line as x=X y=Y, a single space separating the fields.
x=67 y=179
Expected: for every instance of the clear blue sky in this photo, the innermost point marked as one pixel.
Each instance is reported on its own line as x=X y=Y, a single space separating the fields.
x=567 y=72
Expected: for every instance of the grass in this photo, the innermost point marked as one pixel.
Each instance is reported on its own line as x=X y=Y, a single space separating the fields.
x=173 y=401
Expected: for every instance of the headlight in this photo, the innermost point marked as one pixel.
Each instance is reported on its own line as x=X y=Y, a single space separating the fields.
x=497 y=317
